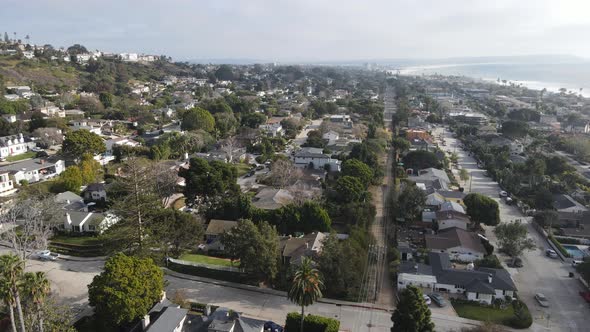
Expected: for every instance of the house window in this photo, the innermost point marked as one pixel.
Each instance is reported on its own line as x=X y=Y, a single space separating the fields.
x=76 y=228
x=477 y=295
x=91 y=228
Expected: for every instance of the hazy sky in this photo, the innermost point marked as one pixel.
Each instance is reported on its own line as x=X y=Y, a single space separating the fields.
x=307 y=30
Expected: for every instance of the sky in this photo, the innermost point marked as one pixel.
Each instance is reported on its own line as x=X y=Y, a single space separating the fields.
x=306 y=30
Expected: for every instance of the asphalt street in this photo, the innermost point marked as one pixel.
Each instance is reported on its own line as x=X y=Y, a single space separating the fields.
x=539 y=274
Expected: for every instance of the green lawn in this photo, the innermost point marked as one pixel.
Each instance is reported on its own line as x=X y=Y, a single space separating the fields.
x=483 y=313
x=77 y=240
x=26 y=155
x=242 y=168
x=206 y=260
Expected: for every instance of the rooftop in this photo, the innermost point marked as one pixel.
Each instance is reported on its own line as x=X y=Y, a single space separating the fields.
x=454 y=237
x=217 y=226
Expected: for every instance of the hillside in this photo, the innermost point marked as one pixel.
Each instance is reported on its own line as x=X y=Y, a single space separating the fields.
x=49 y=76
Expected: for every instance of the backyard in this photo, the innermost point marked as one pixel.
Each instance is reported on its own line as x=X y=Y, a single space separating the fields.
x=196 y=258
x=483 y=313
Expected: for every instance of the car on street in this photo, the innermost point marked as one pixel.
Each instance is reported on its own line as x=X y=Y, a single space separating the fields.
x=516 y=262
x=272 y=327
x=551 y=253
x=576 y=262
x=438 y=299
x=503 y=194
x=46 y=255
x=426 y=299
x=543 y=302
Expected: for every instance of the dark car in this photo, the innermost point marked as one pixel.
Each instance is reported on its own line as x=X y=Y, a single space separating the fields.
x=273 y=327
x=438 y=299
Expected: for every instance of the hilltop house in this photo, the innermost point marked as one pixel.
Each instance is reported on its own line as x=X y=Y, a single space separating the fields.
x=479 y=284
x=13 y=145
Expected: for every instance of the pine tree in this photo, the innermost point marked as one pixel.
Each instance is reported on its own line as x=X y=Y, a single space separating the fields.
x=412 y=313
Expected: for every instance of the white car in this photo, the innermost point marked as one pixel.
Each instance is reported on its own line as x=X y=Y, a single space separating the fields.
x=543 y=302
x=576 y=262
x=503 y=194
x=46 y=255
x=427 y=299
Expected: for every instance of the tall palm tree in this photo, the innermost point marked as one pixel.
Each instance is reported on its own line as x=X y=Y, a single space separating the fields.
x=38 y=287
x=6 y=296
x=306 y=287
x=11 y=270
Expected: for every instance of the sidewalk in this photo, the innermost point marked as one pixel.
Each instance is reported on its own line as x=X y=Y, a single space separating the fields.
x=270 y=291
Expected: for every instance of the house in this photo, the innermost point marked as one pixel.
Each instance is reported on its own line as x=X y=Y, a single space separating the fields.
x=480 y=284
x=452 y=196
x=460 y=244
x=565 y=203
x=9 y=117
x=272 y=198
x=433 y=179
x=53 y=111
x=215 y=229
x=34 y=170
x=293 y=249
x=331 y=136
x=6 y=184
x=418 y=134
x=95 y=192
x=452 y=206
x=74 y=113
x=165 y=316
x=449 y=219
x=13 y=145
x=342 y=119
x=226 y=320
x=272 y=129
x=87 y=125
x=317 y=161
x=78 y=219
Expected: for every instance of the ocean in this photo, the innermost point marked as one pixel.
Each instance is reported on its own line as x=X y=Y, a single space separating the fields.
x=552 y=77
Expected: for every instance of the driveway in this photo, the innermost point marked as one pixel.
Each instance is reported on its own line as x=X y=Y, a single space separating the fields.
x=567 y=311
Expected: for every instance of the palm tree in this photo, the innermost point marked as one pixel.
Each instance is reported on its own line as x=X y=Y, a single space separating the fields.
x=6 y=296
x=11 y=270
x=38 y=287
x=306 y=287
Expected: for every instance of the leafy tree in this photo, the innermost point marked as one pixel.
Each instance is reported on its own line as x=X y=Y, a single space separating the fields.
x=11 y=271
x=106 y=99
x=411 y=202
x=314 y=218
x=178 y=229
x=482 y=209
x=253 y=120
x=76 y=49
x=543 y=199
x=306 y=287
x=225 y=123
x=464 y=175
x=400 y=145
x=257 y=247
x=314 y=139
x=206 y=181
x=126 y=290
x=71 y=179
x=38 y=287
x=224 y=73
x=412 y=313
x=37 y=121
x=365 y=153
x=515 y=129
x=546 y=218
x=358 y=169
x=490 y=261
x=79 y=142
x=420 y=159
x=90 y=169
x=198 y=118
x=512 y=238
x=350 y=189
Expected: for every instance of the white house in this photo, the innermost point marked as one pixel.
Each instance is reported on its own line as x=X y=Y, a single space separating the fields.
x=9 y=117
x=34 y=170
x=331 y=137
x=53 y=111
x=272 y=129
x=481 y=284
x=461 y=245
x=449 y=219
x=13 y=145
x=317 y=161
x=28 y=54
x=6 y=185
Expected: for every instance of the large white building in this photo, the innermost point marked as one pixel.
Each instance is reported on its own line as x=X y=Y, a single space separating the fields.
x=317 y=161
x=34 y=170
x=13 y=145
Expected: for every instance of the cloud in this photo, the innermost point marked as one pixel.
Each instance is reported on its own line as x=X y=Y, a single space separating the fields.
x=307 y=29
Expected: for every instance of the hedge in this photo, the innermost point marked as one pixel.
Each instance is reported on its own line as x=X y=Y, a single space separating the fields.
x=559 y=246
x=242 y=278
x=522 y=316
x=568 y=240
x=311 y=323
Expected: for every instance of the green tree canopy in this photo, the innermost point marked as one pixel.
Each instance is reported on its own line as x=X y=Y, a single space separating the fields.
x=412 y=314
x=515 y=129
x=512 y=238
x=411 y=202
x=126 y=290
x=307 y=286
x=350 y=189
x=179 y=230
x=482 y=209
x=358 y=169
x=546 y=218
x=198 y=118
x=253 y=120
x=82 y=141
x=71 y=179
x=420 y=159
x=209 y=179
x=314 y=218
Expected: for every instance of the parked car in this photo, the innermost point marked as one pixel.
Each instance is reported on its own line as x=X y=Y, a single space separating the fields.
x=551 y=253
x=259 y=167
x=249 y=174
x=576 y=262
x=438 y=299
x=543 y=302
x=426 y=299
x=516 y=262
x=46 y=255
x=272 y=327
x=36 y=149
x=503 y=194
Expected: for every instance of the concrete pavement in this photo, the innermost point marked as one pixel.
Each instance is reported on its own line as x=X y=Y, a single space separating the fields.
x=567 y=311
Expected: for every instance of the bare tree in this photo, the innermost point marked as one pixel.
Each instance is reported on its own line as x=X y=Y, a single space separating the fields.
x=229 y=146
x=284 y=173
x=49 y=136
x=165 y=182
x=29 y=224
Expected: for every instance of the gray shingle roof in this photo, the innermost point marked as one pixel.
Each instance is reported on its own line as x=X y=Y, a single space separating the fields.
x=168 y=320
x=454 y=237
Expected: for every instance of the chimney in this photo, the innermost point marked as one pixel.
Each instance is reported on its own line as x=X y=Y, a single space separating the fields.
x=489 y=278
x=42 y=161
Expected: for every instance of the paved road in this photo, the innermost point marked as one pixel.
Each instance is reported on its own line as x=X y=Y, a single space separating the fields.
x=568 y=312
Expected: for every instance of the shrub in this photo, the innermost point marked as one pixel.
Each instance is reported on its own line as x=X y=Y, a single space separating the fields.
x=311 y=323
x=522 y=317
x=490 y=261
x=567 y=240
x=488 y=247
